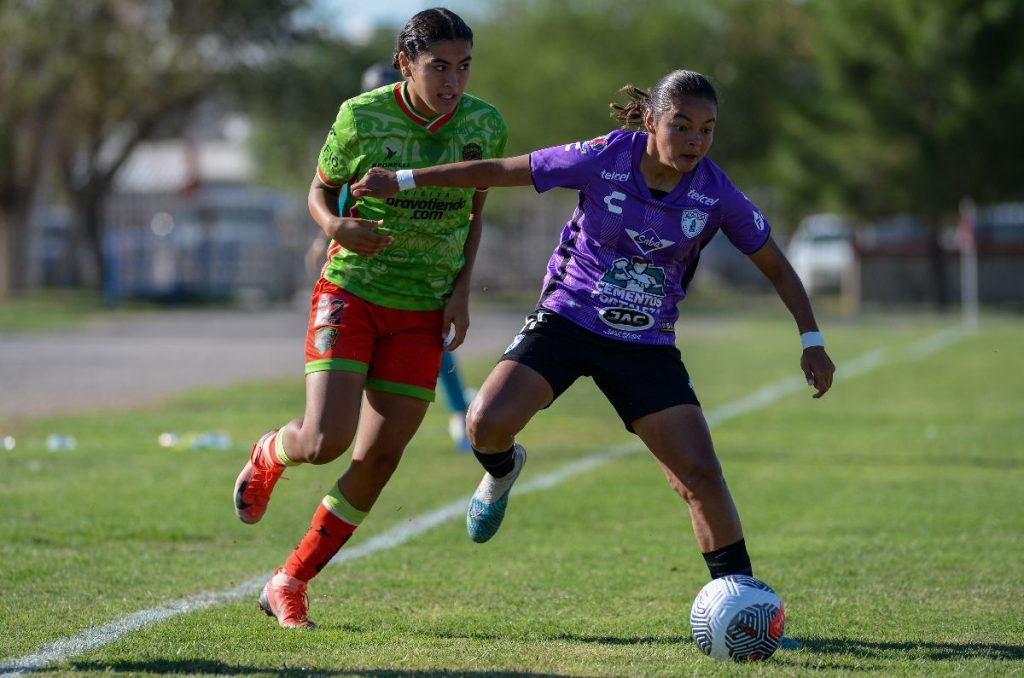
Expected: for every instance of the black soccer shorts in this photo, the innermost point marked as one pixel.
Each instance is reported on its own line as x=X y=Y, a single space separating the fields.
x=637 y=379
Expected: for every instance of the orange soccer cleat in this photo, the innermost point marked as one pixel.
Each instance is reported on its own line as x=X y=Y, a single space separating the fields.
x=256 y=482
x=284 y=598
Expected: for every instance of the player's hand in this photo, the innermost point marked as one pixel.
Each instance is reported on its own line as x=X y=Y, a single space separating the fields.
x=818 y=369
x=455 y=321
x=360 y=236
x=377 y=183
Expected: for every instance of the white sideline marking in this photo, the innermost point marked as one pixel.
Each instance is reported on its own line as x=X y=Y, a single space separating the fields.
x=66 y=648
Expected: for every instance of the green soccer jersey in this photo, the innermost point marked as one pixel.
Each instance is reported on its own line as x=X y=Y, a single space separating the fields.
x=381 y=129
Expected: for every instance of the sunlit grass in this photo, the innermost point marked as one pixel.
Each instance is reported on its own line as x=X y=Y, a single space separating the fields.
x=887 y=515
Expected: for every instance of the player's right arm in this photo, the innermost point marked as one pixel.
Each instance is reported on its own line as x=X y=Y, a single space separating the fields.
x=338 y=163
x=515 y=171
x=352 y=233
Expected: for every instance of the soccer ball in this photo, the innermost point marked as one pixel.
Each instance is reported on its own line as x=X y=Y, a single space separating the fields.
x=737 y=617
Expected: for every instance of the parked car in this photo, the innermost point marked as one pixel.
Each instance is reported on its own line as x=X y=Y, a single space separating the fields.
x=821 y=252
x=1000 y=228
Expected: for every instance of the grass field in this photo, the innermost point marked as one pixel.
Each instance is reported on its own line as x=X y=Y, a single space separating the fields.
x=889 y=516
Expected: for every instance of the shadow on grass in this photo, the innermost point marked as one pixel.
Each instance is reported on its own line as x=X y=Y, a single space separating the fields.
x=211 y=667
x=572 y=638
x=921 y=650
x=616 y=640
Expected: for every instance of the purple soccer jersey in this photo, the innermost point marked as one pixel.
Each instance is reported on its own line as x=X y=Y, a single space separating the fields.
x=625 y=259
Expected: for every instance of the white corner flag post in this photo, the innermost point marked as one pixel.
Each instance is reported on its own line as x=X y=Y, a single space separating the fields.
x=968 y=264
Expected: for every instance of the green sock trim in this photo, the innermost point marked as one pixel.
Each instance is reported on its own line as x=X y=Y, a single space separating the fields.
x=401 y=389
x=336 y=503
x=279 y=452
x=336 y=364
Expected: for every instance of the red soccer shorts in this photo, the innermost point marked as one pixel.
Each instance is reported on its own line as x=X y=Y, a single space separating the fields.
x=398 y=351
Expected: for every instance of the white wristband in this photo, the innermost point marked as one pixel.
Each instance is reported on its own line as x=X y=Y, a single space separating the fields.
x=809 y=339
x=405 y=180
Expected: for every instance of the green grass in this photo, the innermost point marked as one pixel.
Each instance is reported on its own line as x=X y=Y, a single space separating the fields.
x=42 y=310
x=887 y=515
x=54 y=309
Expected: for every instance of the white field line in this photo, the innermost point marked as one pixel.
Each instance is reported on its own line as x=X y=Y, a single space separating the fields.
x=66 y=648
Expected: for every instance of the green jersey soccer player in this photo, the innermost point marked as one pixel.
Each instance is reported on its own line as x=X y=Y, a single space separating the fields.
x=429 y=226
x=395 y=284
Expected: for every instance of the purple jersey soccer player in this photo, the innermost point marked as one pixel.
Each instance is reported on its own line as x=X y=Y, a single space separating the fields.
x=626 y=257
x=648 y=201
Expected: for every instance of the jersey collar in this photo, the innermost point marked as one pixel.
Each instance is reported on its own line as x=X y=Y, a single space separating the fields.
x=432 y=124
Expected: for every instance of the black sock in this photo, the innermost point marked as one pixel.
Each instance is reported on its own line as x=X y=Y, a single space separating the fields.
x=498 y=465
x=731 y=559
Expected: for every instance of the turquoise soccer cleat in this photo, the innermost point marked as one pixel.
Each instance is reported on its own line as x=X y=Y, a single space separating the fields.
x=487 y=507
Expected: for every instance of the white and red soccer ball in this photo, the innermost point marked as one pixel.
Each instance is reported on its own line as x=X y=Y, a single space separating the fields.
x=737 y=617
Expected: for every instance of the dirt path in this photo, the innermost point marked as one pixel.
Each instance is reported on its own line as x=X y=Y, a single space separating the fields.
x=143 y=359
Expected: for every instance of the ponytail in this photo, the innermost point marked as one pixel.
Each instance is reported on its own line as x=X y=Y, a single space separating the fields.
x=661 y=97
x=631 y=114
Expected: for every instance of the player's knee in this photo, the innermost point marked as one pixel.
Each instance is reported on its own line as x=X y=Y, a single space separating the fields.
x=323 y=449
x=486 y=429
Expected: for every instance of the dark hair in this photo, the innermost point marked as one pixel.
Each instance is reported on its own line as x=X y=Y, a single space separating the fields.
x=428 y=27
x=661 y=96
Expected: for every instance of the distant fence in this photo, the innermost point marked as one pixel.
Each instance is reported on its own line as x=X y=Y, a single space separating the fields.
x=222 y=242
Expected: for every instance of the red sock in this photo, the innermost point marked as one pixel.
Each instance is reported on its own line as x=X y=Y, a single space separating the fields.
x=327 y=534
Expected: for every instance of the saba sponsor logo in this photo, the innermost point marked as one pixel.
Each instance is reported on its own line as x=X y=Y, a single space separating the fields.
x=614 y=176
x=648 y=241
x=701 y=198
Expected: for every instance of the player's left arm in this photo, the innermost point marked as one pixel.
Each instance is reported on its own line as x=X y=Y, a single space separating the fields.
x=456 y=311
x=814 y=362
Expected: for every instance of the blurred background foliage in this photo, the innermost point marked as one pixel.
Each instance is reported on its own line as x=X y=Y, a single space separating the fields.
x=865 y=107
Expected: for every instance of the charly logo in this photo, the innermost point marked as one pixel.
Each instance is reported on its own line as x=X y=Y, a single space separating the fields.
x=694 y=222
x=758 y=220
x=625 y=318
x=648 y=241
x=472 y=151
x=608 y=201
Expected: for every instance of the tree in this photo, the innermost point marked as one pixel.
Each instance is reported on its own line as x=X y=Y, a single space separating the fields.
x=553 y=66
x=123 y=69
x=34 y=79
x=146 y=66
x=296 y=98
x=914 y=105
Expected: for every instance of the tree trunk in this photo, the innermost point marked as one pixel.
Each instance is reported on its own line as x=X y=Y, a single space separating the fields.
x=93 y=231
x=14 y=267
x=6 y=260
x=83 y=254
